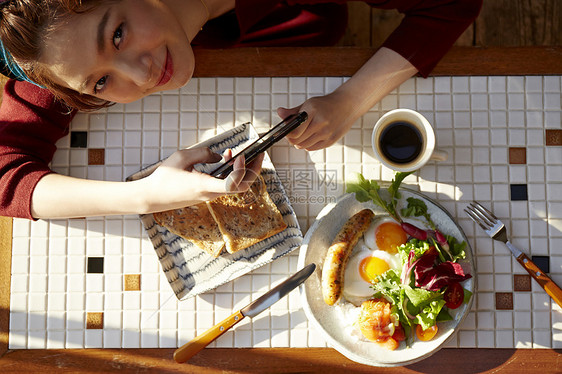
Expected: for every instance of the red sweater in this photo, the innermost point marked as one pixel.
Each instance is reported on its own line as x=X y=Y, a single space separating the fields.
x=31 y=121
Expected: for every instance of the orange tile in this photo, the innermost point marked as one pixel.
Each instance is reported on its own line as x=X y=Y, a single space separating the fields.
x=96 y=156
x=517 y=155
x=132 y=282
x=504 y=300
x=553 y=137
x=94 y=321
x=521 y=282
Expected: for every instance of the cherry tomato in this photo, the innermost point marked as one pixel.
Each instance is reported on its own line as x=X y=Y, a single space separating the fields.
x=399 y=334
x=454 y=296
x=425 y=335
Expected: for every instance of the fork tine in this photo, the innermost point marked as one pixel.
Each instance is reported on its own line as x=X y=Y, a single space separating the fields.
x=475 y=218
x=481 y=215
x=479 y=206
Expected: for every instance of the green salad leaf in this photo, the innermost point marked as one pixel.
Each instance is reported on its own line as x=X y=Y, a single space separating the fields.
x=427 y=316
x=366 y=190
x=417 y=208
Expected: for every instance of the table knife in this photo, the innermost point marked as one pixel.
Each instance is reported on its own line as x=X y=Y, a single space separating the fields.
x=188 y=350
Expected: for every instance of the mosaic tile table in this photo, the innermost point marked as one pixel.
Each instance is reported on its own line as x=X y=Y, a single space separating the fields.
x=97 y=283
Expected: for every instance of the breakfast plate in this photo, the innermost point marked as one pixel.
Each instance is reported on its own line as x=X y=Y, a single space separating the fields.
x=328 y=319
x=191 y=271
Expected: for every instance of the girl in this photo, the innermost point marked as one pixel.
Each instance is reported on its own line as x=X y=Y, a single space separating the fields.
x=91 y=53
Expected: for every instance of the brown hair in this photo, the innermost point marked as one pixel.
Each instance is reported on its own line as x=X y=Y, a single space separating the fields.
x=24 y=23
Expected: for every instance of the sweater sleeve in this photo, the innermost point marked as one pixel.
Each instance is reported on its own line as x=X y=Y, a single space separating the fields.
x=429 y=29
x=31 y=122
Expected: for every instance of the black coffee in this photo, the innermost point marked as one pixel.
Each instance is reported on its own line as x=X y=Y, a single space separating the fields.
x=401 y=142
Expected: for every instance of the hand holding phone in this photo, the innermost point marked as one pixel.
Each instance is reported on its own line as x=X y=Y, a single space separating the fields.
x=262 y=143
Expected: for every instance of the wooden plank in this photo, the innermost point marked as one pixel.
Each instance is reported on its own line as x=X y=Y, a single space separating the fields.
x=358 y=32
x=384 y=22
x=5 y=280
x=519 y=23
x=274 y=360
x=344 y=61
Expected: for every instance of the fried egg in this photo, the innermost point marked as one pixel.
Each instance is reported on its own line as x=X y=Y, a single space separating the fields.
x=363 y=267
x=374 y=254
x=385 y=234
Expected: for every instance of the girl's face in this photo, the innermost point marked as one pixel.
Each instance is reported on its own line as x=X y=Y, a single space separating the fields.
x=121 y=51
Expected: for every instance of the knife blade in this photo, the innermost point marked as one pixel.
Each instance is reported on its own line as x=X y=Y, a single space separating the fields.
x=188 y=350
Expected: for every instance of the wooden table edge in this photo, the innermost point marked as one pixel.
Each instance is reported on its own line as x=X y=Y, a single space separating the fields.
x=344 y=61
x=275 y=360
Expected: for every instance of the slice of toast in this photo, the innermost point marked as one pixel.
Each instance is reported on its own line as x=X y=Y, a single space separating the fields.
x=196 y=224
x=247 y=218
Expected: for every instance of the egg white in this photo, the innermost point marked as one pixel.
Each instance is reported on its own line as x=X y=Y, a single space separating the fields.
x=355 y=288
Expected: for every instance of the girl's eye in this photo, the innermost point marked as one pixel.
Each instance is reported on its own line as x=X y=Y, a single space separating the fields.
x=117 y=36
x=100 y=84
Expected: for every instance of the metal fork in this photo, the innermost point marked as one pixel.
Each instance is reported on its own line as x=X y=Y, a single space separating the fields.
x=496 y=229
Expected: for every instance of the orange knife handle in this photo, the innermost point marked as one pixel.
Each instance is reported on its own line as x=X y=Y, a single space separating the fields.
x=544 y=280
x=189 y=349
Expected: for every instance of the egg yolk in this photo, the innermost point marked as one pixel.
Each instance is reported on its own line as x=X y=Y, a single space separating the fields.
x=370 y=267
x=389 y=236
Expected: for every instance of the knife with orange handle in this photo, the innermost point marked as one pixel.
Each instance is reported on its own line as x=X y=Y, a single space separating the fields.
x=190 y=349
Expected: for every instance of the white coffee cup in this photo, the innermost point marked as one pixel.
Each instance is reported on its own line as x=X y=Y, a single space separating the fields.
x=403 y=140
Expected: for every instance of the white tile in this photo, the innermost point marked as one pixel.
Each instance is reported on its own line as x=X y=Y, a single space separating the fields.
x=497 y=84
x=533 y=83
x=297 y=84
x=485 y=339
x=534 y=101
x=94 y=301
x=207 y=86
x=516 y=84
x=478 y=84
x=442 y=84
x=315 y=85
x=523 y=339
x=460 y=84
x=18 y=320
x=243 y=85
x=407 y=101
x=504 y=339
x=425 y=102
x=552 y=101
x=94 y=339
x=534 y=118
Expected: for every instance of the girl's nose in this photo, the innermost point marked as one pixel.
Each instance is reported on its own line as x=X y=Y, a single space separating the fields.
x=136 y=68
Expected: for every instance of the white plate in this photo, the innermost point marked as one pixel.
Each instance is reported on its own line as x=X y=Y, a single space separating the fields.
x=191 y=271
x=327 y=319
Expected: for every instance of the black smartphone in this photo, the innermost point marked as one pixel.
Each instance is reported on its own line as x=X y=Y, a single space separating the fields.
x=262 y=143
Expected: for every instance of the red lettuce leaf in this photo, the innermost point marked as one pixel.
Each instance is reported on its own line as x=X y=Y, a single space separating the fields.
x=434 y=277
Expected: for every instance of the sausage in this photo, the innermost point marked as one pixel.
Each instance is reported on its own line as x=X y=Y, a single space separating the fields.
x=338 y=253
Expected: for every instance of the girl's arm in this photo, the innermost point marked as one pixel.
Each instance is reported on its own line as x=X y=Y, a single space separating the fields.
x=174 y=184
x=331 y=116
x=426 y=33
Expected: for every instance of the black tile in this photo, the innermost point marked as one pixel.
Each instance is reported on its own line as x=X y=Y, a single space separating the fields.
x=518 y=191
x=95 y=265
x=78 y=139
x=543 y=262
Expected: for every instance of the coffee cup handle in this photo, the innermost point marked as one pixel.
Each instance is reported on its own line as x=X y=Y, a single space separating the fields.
x=439 y=155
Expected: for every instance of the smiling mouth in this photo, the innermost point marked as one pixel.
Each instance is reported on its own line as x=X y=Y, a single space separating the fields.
x=167 y=70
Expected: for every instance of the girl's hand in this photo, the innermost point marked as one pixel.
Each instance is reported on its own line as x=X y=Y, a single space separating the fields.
x=242 y=177
x=329 y=118
x=176 y=184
